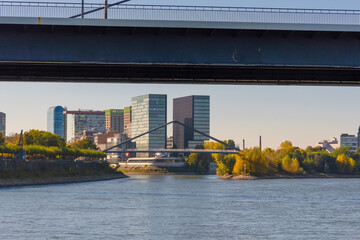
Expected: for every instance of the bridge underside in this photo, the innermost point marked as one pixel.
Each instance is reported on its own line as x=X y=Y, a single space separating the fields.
x=66 y=52
x=177 y=74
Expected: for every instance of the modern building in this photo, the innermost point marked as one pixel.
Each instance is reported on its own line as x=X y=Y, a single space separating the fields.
x=114 y=120
x=57 y=121
x=86 y=120
x=193 y=111
x=329 y=145
x=3 y=123
x=347 y=140
x=148 y=112
x=112 y=141
x=127 y=121
x=100 y=139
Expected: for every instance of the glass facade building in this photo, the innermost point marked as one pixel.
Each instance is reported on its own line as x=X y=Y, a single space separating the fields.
x=56 y=121
x=86 y=120
x=3 y=123
x=193 y=111
x=148 y=112
x=114 y=120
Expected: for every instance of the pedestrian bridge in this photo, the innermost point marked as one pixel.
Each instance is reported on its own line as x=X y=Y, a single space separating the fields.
x=72 y=42
x=174 y=151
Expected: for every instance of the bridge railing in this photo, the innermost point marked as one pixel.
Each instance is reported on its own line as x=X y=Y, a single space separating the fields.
x=181 y=13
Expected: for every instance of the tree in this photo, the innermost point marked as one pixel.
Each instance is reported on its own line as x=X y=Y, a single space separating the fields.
x=13 y=139
x=239 y=167
x=291 y=165
x=345 y=164
x=341 y=151
x=42 y=138
x=199 y=162
x=2 y=138
x=84 y=144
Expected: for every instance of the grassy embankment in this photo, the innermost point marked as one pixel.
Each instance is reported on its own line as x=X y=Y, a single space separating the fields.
x=54 y=173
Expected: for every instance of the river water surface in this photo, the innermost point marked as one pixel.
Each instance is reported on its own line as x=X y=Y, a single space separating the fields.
x=183 y=207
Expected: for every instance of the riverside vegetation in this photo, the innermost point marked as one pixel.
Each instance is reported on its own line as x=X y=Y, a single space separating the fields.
x=47 y=148
x=287 y=160
x=45 y=145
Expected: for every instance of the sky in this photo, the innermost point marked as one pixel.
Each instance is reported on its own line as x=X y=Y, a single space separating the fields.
x=303 y=115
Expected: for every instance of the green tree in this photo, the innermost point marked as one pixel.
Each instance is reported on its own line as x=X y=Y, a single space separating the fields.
x=341 y=151
x=84 y=144
x=199 y=162
x=42 y=138
x=2 y=138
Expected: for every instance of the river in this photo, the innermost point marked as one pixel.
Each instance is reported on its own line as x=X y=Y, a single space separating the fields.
x=183 y=207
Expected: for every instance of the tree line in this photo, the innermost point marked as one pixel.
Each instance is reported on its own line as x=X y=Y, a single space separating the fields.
x=287 y=159
x=46 y=145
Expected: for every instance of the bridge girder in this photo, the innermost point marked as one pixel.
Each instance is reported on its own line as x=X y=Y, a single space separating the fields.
x=130 y=54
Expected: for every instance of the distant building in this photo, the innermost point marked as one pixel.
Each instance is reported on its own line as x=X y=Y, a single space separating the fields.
x=88 y=134
x=329 y=145
x=149 y=111
x=3 y=123
x=114 y=120
x=100 y=139
x=57 y=121
x=112 y=141
x=127 y=121
x=347 y=140
x=193 y=111
x=86 y=120
x=170 y=143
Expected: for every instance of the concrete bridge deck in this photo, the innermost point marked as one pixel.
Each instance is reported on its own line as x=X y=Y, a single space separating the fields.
x=177 y=44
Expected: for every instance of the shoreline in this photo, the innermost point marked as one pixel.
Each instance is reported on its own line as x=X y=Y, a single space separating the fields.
x=283 y=176
x=159 y=174
x=4 y=183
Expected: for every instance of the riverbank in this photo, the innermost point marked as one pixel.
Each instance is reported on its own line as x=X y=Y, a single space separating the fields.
x=154 y=171
x=282 y=176
x=58 y=180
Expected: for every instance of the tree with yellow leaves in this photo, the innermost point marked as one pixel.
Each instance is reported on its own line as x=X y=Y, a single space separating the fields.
x=345 y=164
x=291 y=165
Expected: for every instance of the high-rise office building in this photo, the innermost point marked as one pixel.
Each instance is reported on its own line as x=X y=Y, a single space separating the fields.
x=193 y=111
x=148 y=112
x=347 y=140
x=56 y=121
x=127 y=121
x=3 y=123
x=114 y=120
x=86 y=120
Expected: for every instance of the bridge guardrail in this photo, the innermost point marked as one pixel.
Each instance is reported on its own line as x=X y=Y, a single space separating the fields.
x=181 y=13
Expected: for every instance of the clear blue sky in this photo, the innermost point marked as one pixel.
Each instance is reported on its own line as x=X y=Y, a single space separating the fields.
x=303 y=115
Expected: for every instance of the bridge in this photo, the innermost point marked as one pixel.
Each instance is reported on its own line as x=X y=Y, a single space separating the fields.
x=167 y=150
x=115 y=149
x=71 y=42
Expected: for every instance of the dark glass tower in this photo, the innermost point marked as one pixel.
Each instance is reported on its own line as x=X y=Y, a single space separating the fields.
x=193 y=111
